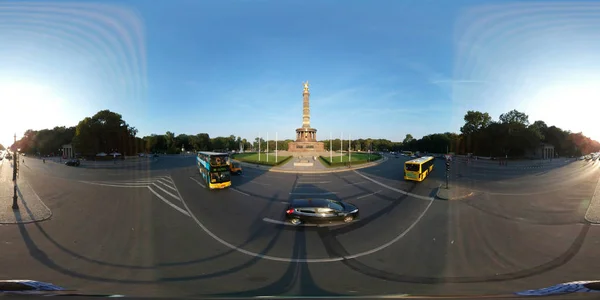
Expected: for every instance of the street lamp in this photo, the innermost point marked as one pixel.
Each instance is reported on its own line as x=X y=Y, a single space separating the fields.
x=15 y=205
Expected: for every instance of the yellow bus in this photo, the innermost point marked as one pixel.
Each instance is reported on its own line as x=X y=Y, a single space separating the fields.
x=214 y=168
x=418 y=169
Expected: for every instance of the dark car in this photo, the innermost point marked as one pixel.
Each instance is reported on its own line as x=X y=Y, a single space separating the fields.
x=320 y=211
x=73 y=163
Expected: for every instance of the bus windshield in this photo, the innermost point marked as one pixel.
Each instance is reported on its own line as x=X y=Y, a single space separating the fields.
x=412 y=167
x=218 y=177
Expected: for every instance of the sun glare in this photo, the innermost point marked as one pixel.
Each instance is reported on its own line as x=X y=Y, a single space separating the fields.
x=575 y=106
x=27 y=106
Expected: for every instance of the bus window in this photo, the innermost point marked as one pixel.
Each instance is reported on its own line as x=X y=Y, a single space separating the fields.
x=412 y=167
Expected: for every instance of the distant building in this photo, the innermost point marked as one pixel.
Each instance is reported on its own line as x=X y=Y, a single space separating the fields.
x=67 y=151
x=543 y=151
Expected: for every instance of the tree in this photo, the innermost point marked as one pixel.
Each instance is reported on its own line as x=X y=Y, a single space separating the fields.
x=475 y=121
x=408 y=138
x=106 y=131
x=514 y=117
x=2 y=147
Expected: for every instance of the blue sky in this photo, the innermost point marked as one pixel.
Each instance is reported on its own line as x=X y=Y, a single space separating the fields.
x=377 y=69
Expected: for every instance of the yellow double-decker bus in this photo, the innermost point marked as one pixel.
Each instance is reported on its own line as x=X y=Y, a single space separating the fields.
x=214 y=168
x=418 y=169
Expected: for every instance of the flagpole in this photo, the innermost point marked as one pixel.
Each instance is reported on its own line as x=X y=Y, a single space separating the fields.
x=259 y=146
x=267 y=147
x=276 y=146
x=349 y=148
x=342 y=146
x=330 y=148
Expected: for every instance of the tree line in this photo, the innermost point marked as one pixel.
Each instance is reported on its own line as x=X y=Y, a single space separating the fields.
x=511 y=135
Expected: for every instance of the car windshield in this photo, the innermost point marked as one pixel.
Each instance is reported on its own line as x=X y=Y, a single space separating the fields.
x=335 y=205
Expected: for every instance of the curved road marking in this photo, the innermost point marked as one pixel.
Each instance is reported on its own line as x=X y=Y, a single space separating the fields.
x=394 y=189
x=367 y=195
x=313 y=260
x=116 y=185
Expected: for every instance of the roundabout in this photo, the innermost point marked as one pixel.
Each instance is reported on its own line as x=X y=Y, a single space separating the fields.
x=181 y=235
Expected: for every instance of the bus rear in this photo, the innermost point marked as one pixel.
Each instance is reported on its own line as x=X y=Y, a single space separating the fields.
x=418 y=169
x=214 y=168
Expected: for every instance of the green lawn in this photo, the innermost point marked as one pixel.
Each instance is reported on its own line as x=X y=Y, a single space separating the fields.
x=253 y=158
x=355 y=158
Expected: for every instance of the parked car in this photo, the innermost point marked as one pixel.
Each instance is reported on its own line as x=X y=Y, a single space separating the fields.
x=73 y=163
x=320 y=211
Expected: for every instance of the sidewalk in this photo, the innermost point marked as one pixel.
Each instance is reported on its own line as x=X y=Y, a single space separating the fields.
x=31 y=208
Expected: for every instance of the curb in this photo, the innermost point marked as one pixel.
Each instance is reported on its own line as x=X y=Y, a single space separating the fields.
x=592 y=214
x=437 y=195
x=337 y=170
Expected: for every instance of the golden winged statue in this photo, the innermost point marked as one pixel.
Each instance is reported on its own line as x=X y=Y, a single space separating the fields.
x=306 y=86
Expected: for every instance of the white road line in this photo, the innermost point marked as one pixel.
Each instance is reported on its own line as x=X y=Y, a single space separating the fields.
x=114 y=185
x=179 y=209
x=395 y=189
x=234 y=189
x=397 y=238
x=198 y=182
x=250 y=253
x=259 y=183
x=166 y=179
x=326 y=193
x=312 y=182
x=167 y=192
x=309 y=260
x=355 y=183
x=165 y=185
x=367 y=195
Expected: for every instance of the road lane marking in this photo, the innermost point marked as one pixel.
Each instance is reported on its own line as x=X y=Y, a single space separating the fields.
x=236 y=190
x=179 y=209
x=326 y=193
x=165 y=185
x=355 y=183
x=166 y=192
x=395 y=189
x=259 y=183
x=115 y=185
x=310 y=260
x=198 y=182
x=367 y=195
x=312 y=182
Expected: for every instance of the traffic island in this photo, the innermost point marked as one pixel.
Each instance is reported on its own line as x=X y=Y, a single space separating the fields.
x=453 y=193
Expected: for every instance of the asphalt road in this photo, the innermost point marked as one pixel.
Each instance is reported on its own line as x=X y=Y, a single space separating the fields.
x=153 y=229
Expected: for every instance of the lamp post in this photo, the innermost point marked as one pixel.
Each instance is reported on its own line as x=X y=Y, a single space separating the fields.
x=15 y=205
